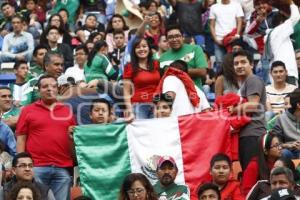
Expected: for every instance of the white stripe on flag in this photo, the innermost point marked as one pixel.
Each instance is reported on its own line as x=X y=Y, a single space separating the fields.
x=148 y=139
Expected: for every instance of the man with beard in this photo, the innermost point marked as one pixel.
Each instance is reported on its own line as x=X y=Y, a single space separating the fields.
x=166 y=188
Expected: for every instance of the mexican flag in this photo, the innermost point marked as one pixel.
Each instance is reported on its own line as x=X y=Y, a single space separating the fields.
x=107 y=153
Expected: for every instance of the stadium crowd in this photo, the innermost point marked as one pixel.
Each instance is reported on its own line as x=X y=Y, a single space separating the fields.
x=80 y=62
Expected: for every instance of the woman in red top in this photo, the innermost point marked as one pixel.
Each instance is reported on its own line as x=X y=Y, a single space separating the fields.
x=220 y=170
x=141 y=77
x=269 y=150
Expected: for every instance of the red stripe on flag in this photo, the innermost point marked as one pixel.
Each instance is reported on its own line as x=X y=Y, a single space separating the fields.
x=202 y=136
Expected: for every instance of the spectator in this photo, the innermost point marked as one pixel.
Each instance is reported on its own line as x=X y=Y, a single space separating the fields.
x=187 y=97
x=53 y=63
x=5 y=23
x=225 y=18
x=98 y=65
x=34 y=15
x=17 y=45
x=35 y=11
x=220 y=169
x=65 y=17
x=281 y=178
x=52 y=34
x=23 y=172
x=136 y=185
x=286 y=162
x=252 y=89
x=21 y=71
x=277 y=91
x=210 y=79
x=260 y=21
x=77 y=71
x=96 y=8
x=57 y=21
x=262 y=188
x=116 y=23
x=36 y=66
x=209 y=191
x=280 y=43
x=45 y=136
x=163 y=46
x=141 y=77
x=155 y=28
x=269 y=150
x=118 y=53
x=286 y=127
x=163 y=106
x=101 y=111
x=24 y=190
x=9 y=112
x=226 y=81
x=95 y=37
x=91 y=25
x=191 y=54
x=165 y=187
x=189 y=14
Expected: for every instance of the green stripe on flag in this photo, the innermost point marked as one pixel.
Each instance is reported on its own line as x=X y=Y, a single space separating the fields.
x=103 y=159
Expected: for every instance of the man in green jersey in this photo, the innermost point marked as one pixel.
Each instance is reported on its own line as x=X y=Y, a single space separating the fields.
x=192 y=54
x=165 y=187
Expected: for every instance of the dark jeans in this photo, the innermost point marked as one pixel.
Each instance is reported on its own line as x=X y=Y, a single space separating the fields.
x=247 y=149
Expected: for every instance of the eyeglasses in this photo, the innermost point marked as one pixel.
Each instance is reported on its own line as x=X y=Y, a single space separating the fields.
x=24 y=166
x=137 y=191
x=80 y=54
x=172 y=37
x=279 y=145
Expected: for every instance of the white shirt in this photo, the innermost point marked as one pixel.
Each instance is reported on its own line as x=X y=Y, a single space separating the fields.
x=182 y=104
x=18 y=91
x=225 y=16
x=76 y=73
x=281 y=44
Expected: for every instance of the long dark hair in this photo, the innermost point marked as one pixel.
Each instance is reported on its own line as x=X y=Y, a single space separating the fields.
x=110 y=29
x=264 y=144
x=95 y=50
x=130 y=179
x=135 y=59
x=227 y=70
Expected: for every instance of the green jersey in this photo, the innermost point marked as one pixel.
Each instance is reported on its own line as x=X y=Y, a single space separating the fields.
x=100 y=68
x=192 y=54
x=31 y=93
x=14 y=111
x=172 y=192
x=34 y=71
x=296 y=36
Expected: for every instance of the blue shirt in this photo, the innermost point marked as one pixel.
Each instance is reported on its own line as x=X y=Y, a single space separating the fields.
x=8 y=139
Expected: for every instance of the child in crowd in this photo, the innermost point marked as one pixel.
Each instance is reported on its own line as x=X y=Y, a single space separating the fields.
x=101 y=111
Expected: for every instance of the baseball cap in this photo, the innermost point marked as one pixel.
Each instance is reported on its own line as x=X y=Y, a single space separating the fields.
x=282 y=194
x=65 y=79
x=163 y=159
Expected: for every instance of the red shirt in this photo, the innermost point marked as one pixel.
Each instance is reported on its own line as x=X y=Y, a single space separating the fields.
x=251 y=175
x=144 y=81
x=232 y=191
x=47 y=140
